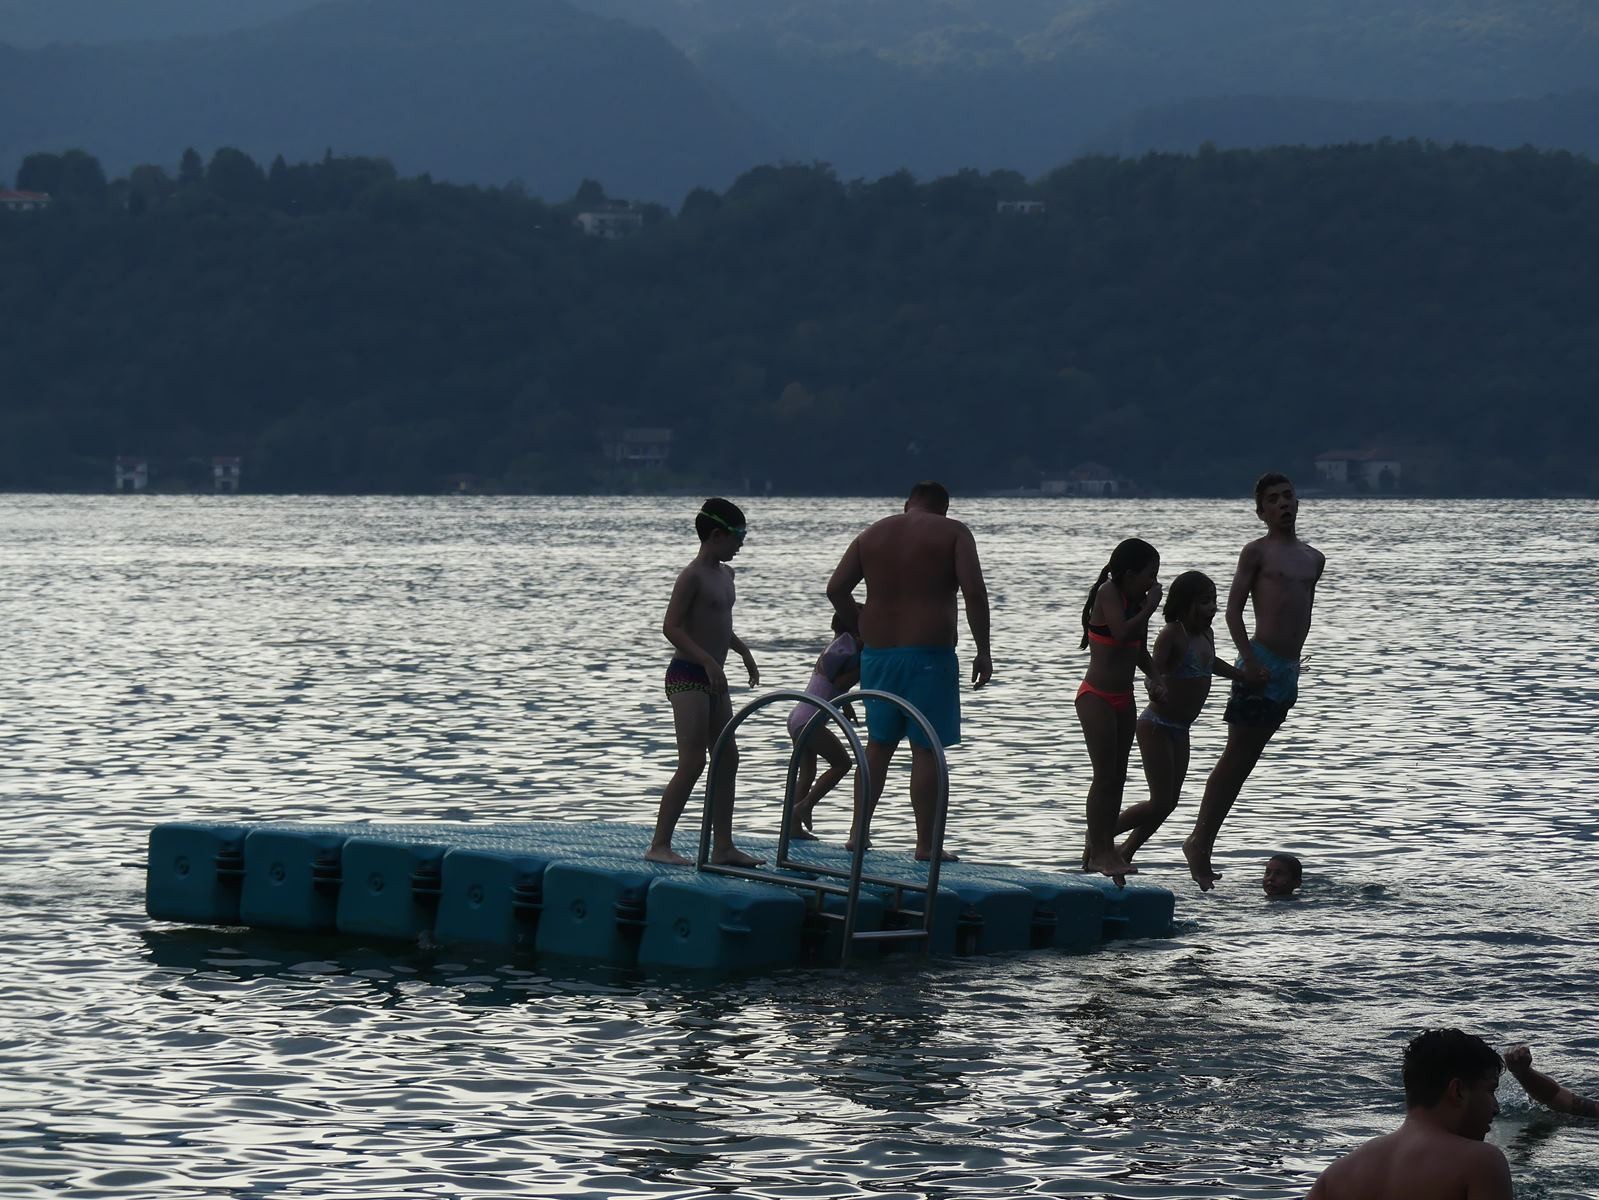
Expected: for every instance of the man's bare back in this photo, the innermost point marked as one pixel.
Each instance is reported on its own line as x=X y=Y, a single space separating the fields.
x=909 y=562
x=1418 y=1162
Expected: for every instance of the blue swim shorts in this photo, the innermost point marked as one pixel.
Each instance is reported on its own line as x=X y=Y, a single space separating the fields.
x=1267 y=705
x=928 y=677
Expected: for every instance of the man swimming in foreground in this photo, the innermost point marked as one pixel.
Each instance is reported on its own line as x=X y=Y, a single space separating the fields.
x=1439 y=1152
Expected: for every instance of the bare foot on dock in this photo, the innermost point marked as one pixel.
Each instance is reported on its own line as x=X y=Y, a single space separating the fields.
x=1199 y=865
x=1112 y=864
x=943 y=855
x=732 y=856
x=802 y=835
x=850 y=845
x=667 y=855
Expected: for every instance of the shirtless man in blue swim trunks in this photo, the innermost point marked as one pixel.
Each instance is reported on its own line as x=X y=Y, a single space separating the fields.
x=1277 y=574
x=913 y=564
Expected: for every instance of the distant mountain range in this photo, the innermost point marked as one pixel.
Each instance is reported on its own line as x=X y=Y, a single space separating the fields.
x=1348 y=49
x=1028 y=84
x=1569 y=121
x=654 y=97
x=473 y=90
x=34 y=23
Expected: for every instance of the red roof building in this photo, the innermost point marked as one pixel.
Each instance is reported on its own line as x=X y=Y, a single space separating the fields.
x=12 y=201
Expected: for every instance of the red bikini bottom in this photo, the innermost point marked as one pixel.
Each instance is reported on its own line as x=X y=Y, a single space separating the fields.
x=1120 y=701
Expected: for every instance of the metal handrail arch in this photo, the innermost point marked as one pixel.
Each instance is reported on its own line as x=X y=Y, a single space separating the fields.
x=855 y=876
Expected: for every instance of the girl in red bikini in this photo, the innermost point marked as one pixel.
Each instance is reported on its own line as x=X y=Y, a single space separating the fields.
x=1115 y=628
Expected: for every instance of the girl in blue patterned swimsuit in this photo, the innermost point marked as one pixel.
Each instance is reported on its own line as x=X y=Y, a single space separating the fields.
x=1184 y=659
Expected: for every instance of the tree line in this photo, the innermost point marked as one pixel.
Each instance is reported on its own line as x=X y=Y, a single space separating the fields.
x=1186 y=320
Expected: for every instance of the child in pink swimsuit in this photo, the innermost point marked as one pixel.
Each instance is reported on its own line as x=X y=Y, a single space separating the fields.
x=836 y=671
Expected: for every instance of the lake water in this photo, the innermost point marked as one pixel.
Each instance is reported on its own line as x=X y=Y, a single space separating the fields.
x=499 y=659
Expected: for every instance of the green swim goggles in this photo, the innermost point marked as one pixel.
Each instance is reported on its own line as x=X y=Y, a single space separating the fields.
x=738 y=531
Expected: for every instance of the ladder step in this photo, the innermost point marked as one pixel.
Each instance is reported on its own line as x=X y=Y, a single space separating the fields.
x=888 y=935
x=811 y=868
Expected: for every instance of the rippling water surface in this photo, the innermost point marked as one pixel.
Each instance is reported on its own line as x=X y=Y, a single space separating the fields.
x=494 y=659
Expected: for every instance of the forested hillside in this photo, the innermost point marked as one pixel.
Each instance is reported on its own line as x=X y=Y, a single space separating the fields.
x=1184 y=320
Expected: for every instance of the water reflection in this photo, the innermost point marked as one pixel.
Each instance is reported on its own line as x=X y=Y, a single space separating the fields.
x=429 y=659
x=887 y=1050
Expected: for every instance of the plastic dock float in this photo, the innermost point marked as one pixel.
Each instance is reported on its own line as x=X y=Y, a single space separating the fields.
x=582 y=891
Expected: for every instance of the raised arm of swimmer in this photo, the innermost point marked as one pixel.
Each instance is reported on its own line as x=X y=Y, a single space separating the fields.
x=1518 y=1059
x=969 y=576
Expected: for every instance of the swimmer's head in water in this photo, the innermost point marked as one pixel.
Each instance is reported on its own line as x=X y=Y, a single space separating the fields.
x=1283 y=876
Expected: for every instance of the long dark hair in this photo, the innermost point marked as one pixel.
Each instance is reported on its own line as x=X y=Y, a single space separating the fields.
x=1132 y=555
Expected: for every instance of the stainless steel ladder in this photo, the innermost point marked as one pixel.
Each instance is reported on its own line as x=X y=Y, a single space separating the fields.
x=855 y=876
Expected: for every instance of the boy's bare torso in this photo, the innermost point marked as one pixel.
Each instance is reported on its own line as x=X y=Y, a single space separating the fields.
x=709 y=620
x=1283 y=591
x=908 y=561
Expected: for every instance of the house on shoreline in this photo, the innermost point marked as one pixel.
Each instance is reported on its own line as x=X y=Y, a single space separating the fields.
x=14 y=201
x=618 y=221
x=1089 y=479
x=638 y=447
x=1376 y=469
x=130 y=473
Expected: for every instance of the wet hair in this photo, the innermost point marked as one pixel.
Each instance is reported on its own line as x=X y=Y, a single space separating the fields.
x=1132 y=555
x=715 y=514
x=1269 y=479
x=1185 y=592
x=1436 y=1056
x=1292 y=863
x=931 y=495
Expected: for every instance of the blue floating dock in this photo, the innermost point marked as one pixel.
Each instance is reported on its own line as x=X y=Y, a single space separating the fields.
x=582 y=891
